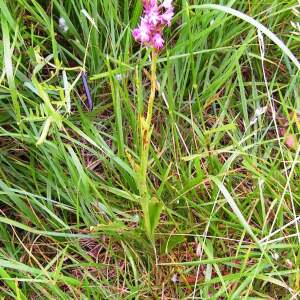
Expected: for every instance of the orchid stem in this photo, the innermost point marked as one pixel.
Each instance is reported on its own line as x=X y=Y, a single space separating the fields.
x=153 y=88
x=146 y=132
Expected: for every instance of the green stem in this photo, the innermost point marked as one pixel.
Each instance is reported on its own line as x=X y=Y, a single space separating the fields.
x=153 y=88
x=146 y=132
x=146 y=128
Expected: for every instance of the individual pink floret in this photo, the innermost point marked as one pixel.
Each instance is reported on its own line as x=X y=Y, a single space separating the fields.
x=167 y=4
x=149 y=4
x=143 y=32
x=167 y=16
x=157 y=41
x=153 y=16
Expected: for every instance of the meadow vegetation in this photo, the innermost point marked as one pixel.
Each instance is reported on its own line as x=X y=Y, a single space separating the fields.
x=223 y=160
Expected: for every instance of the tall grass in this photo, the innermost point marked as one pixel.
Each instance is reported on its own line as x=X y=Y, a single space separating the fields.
x=223 y=161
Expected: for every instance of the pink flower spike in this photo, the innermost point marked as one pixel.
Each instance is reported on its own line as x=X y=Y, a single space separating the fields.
x=157 y=41
x=155 y=17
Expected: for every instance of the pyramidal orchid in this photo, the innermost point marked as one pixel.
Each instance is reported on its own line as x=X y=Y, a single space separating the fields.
x=155 y=17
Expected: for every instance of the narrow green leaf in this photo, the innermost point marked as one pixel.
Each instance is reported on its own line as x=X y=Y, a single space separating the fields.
x=234 y=207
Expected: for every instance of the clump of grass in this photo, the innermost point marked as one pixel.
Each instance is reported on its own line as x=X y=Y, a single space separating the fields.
x=220 y=161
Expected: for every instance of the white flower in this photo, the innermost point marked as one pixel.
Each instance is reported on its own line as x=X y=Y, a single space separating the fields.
x=62 y=24
x=119 y=77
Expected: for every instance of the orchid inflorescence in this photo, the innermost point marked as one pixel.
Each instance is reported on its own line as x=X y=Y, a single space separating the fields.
x=149 y=31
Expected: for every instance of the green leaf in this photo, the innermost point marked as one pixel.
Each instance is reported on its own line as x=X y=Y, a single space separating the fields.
x=155 y=209
x=172 y=242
